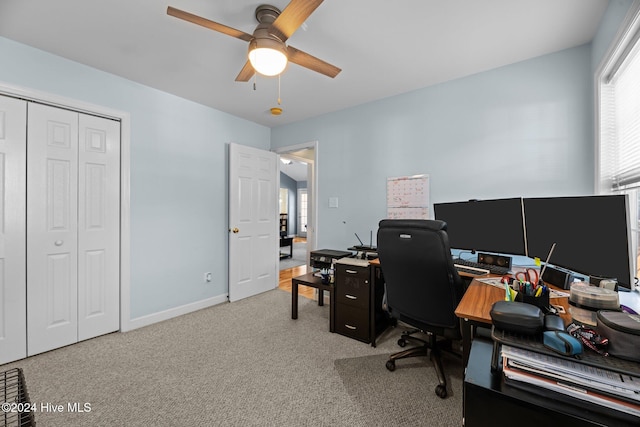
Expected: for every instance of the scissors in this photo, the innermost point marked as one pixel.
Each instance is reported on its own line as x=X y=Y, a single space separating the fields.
x=528 y=275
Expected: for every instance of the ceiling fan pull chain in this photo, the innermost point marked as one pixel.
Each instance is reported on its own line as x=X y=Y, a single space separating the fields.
x=279 y=102
x=255 y=77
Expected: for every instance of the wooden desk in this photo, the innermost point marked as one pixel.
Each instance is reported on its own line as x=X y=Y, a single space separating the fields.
x=315 y=282
x=475 y=306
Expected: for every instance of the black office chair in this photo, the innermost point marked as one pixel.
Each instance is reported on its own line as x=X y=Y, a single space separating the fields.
x=422 y=287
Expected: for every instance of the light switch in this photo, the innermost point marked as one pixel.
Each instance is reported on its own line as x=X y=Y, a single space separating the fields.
x=333 y=202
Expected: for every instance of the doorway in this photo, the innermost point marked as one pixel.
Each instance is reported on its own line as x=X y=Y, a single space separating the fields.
x=304 y=221
x=293 y=213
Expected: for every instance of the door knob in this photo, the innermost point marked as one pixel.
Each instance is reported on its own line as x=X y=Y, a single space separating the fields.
x=58 y=242
x=235 y=230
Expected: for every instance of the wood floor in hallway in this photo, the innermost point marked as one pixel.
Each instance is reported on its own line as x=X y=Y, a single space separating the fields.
x=288 y=274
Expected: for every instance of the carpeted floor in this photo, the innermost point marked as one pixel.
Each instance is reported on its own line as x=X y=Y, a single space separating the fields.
x=383 y=397
x=299 y=256
x=245 y=363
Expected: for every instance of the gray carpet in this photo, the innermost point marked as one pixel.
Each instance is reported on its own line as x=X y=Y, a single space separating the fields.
x=299 y=256
x=404 y=397
x=245 y=363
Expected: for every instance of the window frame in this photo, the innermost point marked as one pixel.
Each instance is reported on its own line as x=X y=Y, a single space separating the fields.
x=627 y=37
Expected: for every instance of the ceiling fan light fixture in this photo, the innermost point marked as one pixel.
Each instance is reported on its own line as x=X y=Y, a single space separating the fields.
x=267 y=56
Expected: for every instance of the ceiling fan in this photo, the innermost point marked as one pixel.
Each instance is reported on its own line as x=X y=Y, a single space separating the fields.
x=269 y=37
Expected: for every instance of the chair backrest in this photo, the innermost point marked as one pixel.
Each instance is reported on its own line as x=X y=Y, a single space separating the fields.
x=421 y=281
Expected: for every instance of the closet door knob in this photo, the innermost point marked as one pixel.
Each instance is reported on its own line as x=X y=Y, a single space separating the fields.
x=59 y=242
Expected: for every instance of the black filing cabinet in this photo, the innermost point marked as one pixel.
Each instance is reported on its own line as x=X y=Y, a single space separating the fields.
x=358 y=300
x=352 y=295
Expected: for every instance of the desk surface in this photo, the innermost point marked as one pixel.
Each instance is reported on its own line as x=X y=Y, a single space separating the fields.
x=479 y=298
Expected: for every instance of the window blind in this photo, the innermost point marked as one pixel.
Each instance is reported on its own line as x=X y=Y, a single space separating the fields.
x=620 y=123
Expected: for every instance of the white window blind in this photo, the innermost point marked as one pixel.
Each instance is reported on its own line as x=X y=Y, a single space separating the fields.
x=618 y=77
x=620 y=121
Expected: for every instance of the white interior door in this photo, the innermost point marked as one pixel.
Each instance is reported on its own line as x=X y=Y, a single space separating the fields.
x=98 y=226
x=73 y=227
x=52 y=228
x=253 y=221
x=13 y=301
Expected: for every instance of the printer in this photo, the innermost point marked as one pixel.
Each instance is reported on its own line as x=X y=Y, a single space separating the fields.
x=323 y=258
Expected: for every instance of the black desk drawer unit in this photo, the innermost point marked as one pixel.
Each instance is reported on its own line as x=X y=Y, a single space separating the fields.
x=352 y=322
x=353 y=286
x=353 y=301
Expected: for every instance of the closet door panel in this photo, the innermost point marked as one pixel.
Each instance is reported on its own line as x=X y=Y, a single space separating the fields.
x=98 y=226
x=13 y=321
x=52 y=228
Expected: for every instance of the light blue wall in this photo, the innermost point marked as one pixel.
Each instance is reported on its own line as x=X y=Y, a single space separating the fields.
x=178 y=175
x=608 y=29
x=520 y=130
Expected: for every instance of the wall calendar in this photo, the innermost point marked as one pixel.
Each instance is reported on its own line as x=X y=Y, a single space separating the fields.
x=408 y=197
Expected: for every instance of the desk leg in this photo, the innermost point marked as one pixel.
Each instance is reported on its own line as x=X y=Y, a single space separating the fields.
x=320 y=297
x=466 y=341
x=294 y=299
x=332 y=314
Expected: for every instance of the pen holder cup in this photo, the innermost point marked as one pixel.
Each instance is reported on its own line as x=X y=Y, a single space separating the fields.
x=541 y=301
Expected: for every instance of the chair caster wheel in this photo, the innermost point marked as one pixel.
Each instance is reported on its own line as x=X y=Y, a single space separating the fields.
x=391 y=365
x=441 y=391
x=402 y=342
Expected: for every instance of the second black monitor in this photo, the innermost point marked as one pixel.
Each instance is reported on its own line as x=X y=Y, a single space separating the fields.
x=485 y=225
x=591 y=234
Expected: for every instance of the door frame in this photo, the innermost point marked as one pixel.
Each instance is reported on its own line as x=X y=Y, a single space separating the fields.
x=125 y=172
x=312 y=186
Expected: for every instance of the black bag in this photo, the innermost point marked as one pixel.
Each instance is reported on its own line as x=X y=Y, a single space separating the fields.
x=518 y=317
x=623 y=332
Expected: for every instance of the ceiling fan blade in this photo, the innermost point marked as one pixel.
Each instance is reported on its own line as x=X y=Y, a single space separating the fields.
x=195 y=19
x=246 y=73
x=311 y=62
x=292 y=17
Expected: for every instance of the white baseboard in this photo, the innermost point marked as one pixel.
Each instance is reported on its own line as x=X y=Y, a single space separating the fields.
x=150 y=319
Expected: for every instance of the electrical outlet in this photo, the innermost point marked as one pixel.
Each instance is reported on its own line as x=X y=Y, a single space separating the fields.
x=207 y=277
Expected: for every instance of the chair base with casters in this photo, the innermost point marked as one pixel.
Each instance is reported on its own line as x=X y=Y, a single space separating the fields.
x=426 y=348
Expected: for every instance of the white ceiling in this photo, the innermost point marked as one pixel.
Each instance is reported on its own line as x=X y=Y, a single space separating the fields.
x=383 y=47
x=295 y=170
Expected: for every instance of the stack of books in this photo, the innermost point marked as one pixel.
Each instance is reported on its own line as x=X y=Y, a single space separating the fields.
x=599 y=385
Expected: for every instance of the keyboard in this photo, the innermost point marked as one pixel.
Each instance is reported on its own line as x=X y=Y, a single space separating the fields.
x=362 y=248
x=478 y=269
x=470 y=270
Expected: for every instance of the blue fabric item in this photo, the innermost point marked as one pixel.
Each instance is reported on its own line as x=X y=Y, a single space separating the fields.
x=562 y=343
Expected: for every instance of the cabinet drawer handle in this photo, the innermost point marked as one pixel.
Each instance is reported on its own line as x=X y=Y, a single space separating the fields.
x=353 y=328
x=351 y=271
x=351 y=296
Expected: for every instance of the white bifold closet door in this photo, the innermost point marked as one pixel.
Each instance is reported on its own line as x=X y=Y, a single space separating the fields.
x=72 y=226
x=13 y=320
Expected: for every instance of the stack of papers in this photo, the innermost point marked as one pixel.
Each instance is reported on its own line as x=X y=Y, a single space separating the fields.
x=596 y=385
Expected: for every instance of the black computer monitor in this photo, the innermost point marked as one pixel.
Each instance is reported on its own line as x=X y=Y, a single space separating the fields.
x=591 y=234
x=484 y=225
